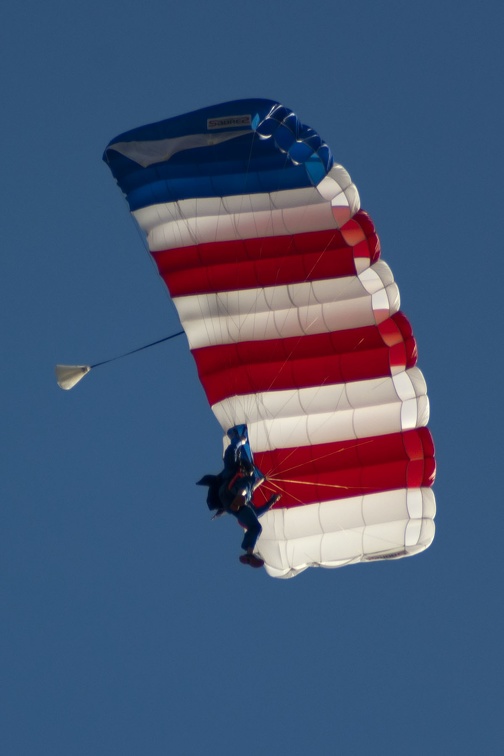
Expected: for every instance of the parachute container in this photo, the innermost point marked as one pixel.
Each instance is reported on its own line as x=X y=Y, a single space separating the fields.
x=294 y=323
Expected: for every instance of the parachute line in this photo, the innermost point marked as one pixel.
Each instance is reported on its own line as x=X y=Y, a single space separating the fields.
x=67 y=376
x=139 y=349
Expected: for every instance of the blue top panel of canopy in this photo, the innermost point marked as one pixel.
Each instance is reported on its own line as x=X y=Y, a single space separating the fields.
x=238 y=147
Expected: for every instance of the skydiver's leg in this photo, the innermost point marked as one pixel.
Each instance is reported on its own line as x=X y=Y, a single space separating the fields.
x=248 y=520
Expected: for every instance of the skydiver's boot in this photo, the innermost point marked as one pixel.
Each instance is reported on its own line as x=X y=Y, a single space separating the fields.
x=252 y=560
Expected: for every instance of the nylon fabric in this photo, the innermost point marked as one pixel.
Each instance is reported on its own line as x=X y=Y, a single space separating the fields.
x=295 y=326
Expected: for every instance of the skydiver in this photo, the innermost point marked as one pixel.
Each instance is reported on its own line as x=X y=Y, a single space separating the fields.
x=236 y=498
x=231 y=492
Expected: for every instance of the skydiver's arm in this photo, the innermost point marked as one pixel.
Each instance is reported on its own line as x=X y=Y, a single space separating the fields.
x=265 y=507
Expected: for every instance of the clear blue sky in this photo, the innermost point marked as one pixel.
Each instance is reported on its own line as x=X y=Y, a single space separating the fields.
x=127 y=624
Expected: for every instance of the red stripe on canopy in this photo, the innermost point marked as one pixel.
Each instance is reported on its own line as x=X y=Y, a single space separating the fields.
x=268 y=261
x=345 y=469
x=340 y=357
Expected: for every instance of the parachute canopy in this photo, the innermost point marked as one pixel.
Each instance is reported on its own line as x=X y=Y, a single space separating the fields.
x=293 y=320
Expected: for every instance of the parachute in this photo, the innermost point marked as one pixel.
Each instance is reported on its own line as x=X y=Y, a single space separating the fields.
x=293 y=320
